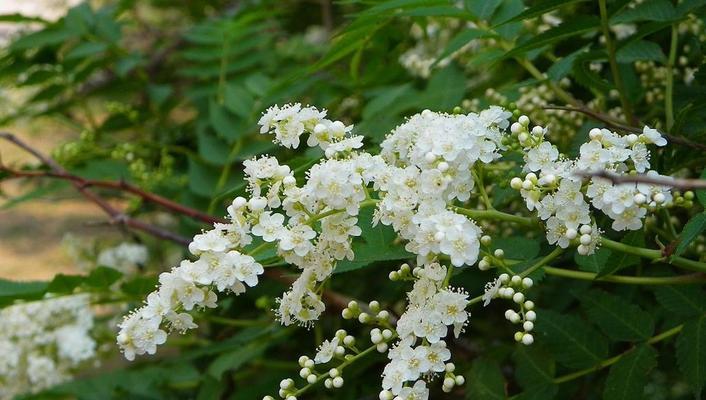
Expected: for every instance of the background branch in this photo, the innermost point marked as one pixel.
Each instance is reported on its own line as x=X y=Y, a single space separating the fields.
x=684 y=184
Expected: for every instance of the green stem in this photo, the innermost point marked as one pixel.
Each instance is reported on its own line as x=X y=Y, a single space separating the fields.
x=610 y=361
x=669 y=90
x=617 y=78
x=544 y=261
x=496 y=215
x=628 y=280
x=340 y=367
x=317 y=217
x=225 y=174
x=655 y=255
x=478 y=175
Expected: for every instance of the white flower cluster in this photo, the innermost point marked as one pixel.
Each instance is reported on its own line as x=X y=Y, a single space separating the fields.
x=562 y=196
x=125 y=257
x=43 y=342
x=425 y=165
x=191 y=285
x=421 y=352
x=431 y=159
x=512 y=288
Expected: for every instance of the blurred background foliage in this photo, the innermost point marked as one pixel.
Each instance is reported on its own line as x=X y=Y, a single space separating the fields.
x=166 y=95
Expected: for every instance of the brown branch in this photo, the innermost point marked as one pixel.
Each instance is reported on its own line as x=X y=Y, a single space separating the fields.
x=116 y=216
x=612 y=123
x=118 y=185
x=684 y=184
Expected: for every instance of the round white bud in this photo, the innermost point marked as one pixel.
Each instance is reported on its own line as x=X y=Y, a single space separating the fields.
x=311 y=379
x=527 y=185
x=340 y=350
x=338 y=126
x=582 y=250
x=460 y=380
x=337 y=382
x=586 y=229
x=504 y=278
x=385 y=395
x=631 y=139
x=522 y=137
x=383 y=315
x=529 y=305
x=483 y=265
x=239 y=202
x=499 y=253
x=518 y=336
x=527 y=339
x=430 y=157
x=585 y=240
x=659 y=198
x=527 y=282
x=516 y=279
x=257 y=203
x=509 y=313
x=364 y=318
x=639 y=199
x=595 y=134
x=528 y=326
x=515 y=127
x=328 y=383
x=515 y=318
x=537 y=130
x=349 y=340
x=530 y=316
x=523 y=120
x=485 y=240
x=381 y=348
x=304 y=372
x=443 y=166
x=319 y=128
x=571 y=233
x=518 y=297
x=516 y=183
x=450 y=367
x=387 y=334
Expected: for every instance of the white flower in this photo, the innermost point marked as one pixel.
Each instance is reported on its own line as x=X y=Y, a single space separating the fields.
x=653 y=136
x=541 y=157
x=491 y=291
x=269 y=227
x=326 y=351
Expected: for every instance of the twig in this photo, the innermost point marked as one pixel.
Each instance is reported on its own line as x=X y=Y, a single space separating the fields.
x=612 y=123
x=118 y=185
x=116 y=216
x=684 y=184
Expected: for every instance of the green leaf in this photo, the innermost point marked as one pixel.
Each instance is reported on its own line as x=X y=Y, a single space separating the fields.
x=461 y=39
x=223 y=122
x=534 y=366
x=540 y=9
x=691 y=353
x=517 y=247
x=687 y=301
x=42 y=38
x=573 y=342
x=377 y=244
x=627 y=378
x=238 y=100
x=624 y=260
x=63 y=283
x=483 y=9
x=20 y=290
x=103 y=277
x=232 y=360
x=701 y=194
x=595 y=262
x=86 y=49
x=19 y=18
x=485 y=381
x=691 y=231
x=640 y=50
x=139 y=286
x=561 y=68
x=445 y=89
x=616 y=317
x=574 y=27
x=650 y=10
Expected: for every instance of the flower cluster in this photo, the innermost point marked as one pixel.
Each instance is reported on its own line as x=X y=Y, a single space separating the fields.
x=512 y=288
x=557 y=188
x=431 y=160
x=421 y=352
x=191 y=285
x=125 y=257
x=43 y=342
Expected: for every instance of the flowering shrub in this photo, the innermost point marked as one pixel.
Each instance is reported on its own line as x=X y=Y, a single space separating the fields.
x=496 y=199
